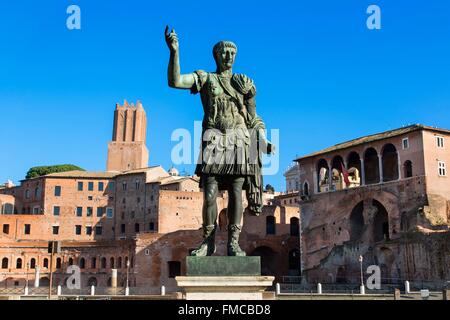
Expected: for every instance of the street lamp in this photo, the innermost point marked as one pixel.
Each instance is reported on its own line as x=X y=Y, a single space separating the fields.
x=128 y=271
x=362 y=288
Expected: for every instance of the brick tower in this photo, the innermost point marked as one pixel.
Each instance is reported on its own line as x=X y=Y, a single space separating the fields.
x=127 y=150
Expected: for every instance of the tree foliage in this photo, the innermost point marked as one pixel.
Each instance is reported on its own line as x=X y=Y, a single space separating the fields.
x=43 y=170
x=270 y=188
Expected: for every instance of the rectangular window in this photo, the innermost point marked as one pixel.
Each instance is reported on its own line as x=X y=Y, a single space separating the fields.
x=6 y=228
x=55 y=229
x=138 y=183
x=100 y=186
x=441 y=169
x=36 y=210
x=98 y=230
x=99 y=211
x=89 y=211
x=440 y=141
x=122 y=228
x=111 y=186
x=56 y=210
x=78 y=230
x=79 y=211
x=109 y=212
x=88 y=230
x=124 y=186
x=80 y=186
x=27 y=229
x=90 y=186
x=57 y=191
x=405 y=143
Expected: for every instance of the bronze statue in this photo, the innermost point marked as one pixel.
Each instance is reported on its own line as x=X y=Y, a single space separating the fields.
x=232 y=140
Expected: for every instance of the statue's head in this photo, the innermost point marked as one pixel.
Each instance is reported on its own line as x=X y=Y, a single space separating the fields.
x=224 y=53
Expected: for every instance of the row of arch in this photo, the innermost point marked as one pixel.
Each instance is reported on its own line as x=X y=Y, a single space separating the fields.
x=82 y=263
x=355 y=171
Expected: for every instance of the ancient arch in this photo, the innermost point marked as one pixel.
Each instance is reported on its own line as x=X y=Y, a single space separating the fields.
x=306 y=188
x=389 y=162
x=371 y=166
x=357 y=222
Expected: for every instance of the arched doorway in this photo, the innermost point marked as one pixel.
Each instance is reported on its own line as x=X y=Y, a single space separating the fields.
x=390 y=162
x=371 y=166
x=380 y=222
x=92 y=281
x=341 y=275
x=357 y=222
x=294 y=262
x=268 y=258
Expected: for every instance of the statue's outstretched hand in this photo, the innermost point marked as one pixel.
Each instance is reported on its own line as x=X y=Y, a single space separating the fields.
x=171 y=39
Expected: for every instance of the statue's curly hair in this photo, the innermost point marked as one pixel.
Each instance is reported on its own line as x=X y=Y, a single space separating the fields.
x=221 y=45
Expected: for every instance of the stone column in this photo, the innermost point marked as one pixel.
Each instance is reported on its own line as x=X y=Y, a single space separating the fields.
x=114 y=278
x=380 y=167
x=399 y=166
x=37 y=274
x=362 y=173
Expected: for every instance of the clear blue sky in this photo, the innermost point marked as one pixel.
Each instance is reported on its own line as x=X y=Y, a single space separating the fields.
x=322 y=76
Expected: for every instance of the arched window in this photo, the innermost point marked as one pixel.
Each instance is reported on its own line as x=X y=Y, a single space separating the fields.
x=371 y=166
x=103 y=263
x=270 y=225
x=111 y=262
x=32 y=263
x=306 y=188
x=390 y=162
x=82 y=263
x=295 y=230
x=354 y=169
x=322 y=176
x=19 y=263
x=119 y=262
x=380 y=222
x=407 y=168
x=5 y=262
x=58 y=263
x=94 y=263
x=70 y=261
x=45 y=263
x=338 y=181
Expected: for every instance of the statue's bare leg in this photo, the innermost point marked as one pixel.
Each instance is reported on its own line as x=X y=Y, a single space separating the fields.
x=235 y=212
x=208 y=247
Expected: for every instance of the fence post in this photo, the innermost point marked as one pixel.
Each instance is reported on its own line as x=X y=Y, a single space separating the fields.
x=407 y=289
x=26 y=290
x=277 y=289
x=92 y=290
x=58 y=291
x=163 y=290
x=396 y=294
x=127 y=291
x=445 y=294
x=319 y=288
x=362 y=289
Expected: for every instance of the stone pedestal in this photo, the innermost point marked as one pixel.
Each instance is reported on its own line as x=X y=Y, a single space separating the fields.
x=224 y=278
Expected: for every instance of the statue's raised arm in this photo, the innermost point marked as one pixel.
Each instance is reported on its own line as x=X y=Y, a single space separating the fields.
x=175 y=79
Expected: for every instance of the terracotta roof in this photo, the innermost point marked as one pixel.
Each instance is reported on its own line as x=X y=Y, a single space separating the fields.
x=82 y=174
x=372 y=138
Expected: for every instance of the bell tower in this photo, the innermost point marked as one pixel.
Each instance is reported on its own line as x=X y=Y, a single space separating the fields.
x=127 y=150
